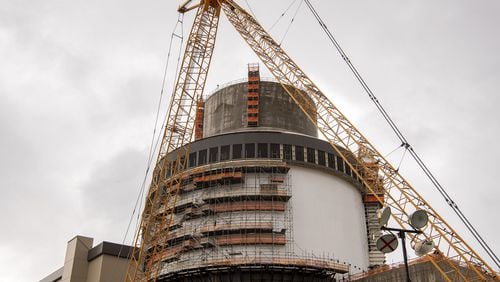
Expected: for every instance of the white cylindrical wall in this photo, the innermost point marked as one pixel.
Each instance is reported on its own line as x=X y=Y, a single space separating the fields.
x=328 y=216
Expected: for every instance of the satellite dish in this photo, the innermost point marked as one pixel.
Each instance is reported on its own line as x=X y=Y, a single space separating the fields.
x=423 y=247
x=383 y=215
x=419 y=219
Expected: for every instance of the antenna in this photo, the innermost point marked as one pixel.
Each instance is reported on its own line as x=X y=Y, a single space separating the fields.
x=418 y=219
x=383 y=215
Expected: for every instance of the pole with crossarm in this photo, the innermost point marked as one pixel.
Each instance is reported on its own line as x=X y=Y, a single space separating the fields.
x=402 y=235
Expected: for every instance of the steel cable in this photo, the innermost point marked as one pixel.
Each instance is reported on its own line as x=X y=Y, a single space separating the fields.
x=281 y=16
x=154 y=144
x=404 y=141
x=291 y=22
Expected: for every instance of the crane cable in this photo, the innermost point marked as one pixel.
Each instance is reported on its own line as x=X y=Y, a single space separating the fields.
x=281 y=16
x=250 y=8
x=291 y=22
x=180 y=37
x=156 y=133
x=404 y=141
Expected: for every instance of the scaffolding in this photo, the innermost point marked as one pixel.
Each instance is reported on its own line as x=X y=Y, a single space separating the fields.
x=232 y=214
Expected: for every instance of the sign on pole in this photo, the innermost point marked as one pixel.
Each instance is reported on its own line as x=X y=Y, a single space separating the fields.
x=387 y=243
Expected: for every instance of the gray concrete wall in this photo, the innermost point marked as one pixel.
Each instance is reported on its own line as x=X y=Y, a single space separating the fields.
x=419 y=272
x=278 y=110
x=107 y=268
x=226 y=111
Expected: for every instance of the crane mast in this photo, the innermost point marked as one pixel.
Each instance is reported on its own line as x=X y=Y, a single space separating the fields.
x=379 y=178
x=150 y=240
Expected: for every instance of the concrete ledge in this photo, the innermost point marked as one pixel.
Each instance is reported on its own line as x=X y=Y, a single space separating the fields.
x=108 y=248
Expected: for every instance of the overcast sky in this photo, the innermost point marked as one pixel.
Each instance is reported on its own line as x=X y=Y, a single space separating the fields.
x=80 y=81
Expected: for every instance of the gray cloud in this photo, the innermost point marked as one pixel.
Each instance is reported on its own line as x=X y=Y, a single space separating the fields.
x=110 y=190
x=79 y=83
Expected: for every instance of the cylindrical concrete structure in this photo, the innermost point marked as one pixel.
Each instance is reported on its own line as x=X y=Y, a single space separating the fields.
x=226 y=111
x=271 y=202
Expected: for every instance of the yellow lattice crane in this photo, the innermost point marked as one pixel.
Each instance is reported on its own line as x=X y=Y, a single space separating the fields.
x=452 y=254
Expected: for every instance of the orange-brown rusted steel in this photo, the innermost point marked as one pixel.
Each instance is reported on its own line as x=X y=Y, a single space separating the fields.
x=248 y=206
x=253 y=95
x=198 y=121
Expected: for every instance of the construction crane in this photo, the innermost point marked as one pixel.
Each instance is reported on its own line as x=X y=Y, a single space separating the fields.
x=382 y=181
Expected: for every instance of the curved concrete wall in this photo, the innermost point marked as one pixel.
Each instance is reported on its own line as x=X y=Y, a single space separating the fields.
x=226 y=111
x=267 y=206
x=328 y=216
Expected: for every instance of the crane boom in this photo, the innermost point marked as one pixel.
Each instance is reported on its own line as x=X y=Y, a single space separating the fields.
x=384 y=183
x=338 y=130
x=150 y=240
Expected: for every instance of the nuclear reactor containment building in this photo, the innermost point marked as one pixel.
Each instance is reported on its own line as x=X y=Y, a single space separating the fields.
x=263 y=197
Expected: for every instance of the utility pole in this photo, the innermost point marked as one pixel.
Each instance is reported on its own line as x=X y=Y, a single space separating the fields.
x=402 y=236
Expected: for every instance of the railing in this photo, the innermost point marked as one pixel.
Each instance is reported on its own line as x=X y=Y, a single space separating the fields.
x=285 y=261
x=394 y=266
x=237 y=81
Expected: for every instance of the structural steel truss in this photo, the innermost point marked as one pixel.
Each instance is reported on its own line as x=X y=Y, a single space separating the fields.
x=150 y=241
x=461 y=261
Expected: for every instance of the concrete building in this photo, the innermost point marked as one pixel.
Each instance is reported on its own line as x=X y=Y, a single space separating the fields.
x=420 y=270
x=264 y=197
x=106 y=262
